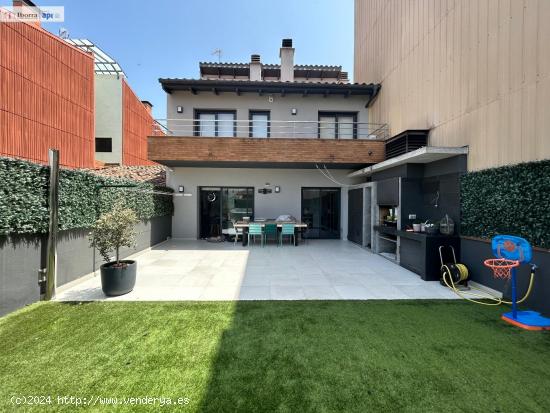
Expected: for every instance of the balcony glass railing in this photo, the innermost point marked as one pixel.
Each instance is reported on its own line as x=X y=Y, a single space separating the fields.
x=271 y=129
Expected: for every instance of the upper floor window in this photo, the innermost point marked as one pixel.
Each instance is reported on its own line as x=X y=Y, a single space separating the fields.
x=337 y=125
x=103 y=145
x=259 y=123
x=220 y=123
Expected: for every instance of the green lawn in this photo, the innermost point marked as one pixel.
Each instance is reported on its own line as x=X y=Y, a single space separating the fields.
x=375 y=356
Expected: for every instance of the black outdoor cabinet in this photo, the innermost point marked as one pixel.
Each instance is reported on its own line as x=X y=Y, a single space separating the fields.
x=419 y=252
x=355 y=215
x=388 y=191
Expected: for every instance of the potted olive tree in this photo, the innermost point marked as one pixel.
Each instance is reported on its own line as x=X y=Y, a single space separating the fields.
x=113 y=230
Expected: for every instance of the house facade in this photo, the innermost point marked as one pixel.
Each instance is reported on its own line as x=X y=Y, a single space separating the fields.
x=122 y=121
x=264 y=140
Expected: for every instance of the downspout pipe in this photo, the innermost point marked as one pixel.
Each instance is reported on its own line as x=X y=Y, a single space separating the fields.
x=372 y=97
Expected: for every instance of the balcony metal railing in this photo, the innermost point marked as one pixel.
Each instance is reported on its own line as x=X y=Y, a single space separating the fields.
x=245 y=128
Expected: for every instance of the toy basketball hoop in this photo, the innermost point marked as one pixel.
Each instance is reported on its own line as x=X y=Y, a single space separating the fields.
x=510 y=252
x=502 y=268
x=511 y=248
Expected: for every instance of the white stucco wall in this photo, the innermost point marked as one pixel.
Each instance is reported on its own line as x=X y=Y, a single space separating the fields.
x=280 y=107
x=288 y=201
x=108 y=115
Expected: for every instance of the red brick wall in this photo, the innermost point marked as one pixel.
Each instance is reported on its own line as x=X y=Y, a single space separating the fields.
x=137 y=125
x=46 y=97
x=265 y=150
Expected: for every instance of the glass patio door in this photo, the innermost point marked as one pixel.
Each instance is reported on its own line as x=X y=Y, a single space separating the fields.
x=321 y=212
x=210 y=212
x=219 y=206
x=345 y=127
x=215 y=123
x=334 y=125
x=236 y=204
x=259 y=124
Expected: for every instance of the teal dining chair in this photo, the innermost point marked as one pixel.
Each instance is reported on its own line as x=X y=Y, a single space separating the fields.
x=253 y=231
x=270 y=231
x=288 y=229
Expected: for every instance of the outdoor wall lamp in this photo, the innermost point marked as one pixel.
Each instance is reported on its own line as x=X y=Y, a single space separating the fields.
x=294 y=111
x=277 y=189
x=179 y=109
x=181 y=189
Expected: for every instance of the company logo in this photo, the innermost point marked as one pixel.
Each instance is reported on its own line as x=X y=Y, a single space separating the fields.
x=46 y=14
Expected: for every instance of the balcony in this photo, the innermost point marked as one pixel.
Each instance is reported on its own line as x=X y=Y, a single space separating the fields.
x=242 y=143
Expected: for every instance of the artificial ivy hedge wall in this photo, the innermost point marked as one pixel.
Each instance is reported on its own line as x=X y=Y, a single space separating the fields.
x=24 y=198
x=512 y=200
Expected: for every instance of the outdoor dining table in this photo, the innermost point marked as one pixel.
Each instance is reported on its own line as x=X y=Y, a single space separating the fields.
x=298 y=227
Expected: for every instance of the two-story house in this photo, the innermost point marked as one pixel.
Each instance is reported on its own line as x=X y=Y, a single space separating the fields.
x=264 y=140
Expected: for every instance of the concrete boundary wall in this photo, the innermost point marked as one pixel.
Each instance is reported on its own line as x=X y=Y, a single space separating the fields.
x=22 y=256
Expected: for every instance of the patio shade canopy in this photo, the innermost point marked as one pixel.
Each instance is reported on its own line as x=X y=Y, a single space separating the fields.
x=103 y=63
x=266 y=87
x=426 y=154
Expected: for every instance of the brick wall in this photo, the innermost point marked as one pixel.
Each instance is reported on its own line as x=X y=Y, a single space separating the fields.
x=46 y=97
x=197 y=149
x=137 y=125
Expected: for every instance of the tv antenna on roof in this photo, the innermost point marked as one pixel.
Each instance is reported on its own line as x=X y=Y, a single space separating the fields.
x=63 y=33
x=219 y=53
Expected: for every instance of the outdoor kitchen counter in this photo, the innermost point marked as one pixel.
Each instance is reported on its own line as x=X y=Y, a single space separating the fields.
x=419 y=252
x=419 y=236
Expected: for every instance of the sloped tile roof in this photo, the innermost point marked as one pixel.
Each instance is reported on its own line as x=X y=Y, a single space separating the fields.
x=155 y=175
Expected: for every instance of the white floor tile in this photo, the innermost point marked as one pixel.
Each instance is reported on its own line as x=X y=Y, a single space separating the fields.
x=314 y=292
x=287 y=293
x=322 y=269
x=354 y=292
x=255 y=293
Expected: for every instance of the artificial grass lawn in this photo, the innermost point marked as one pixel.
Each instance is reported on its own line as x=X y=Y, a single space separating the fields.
x=370 y=356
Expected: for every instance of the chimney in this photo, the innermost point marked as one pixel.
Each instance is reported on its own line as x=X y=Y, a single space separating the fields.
x=255 y=67
x=287 y=61
x=148 y=105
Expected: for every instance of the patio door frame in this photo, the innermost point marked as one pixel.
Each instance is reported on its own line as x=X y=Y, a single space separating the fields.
x=370 y=214
x=320 y=188
x=220 y=188
x=337 y=116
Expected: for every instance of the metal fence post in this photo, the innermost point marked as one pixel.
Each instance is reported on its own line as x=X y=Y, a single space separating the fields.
x=51 y=259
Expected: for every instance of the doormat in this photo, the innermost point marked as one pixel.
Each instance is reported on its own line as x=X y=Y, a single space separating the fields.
x=215 y=239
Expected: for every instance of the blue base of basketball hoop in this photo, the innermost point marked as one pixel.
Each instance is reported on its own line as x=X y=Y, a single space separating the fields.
x=528 y=320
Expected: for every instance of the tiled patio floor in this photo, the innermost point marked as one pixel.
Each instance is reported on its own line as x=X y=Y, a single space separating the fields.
x=318 y=270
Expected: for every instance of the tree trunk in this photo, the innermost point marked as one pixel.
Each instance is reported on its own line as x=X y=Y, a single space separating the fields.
x=117 y=257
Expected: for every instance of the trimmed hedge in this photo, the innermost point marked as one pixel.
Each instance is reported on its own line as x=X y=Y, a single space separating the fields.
x=511 y=200
x=24 y=198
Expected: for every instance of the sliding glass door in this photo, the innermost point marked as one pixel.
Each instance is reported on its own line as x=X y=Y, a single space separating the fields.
x=236 y=204
x=220 y=206
x=321 y=212
x=210 y=212
x=217 y=123
x=259 y=124
x=337 y=125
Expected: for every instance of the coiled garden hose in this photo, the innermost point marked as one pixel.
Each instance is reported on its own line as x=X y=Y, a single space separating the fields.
x=487 y=296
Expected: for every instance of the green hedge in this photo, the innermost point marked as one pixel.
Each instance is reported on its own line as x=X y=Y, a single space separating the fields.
x=511 y=200
x=24 y=198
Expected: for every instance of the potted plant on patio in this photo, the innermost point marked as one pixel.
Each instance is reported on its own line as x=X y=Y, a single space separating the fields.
x=113 y=230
